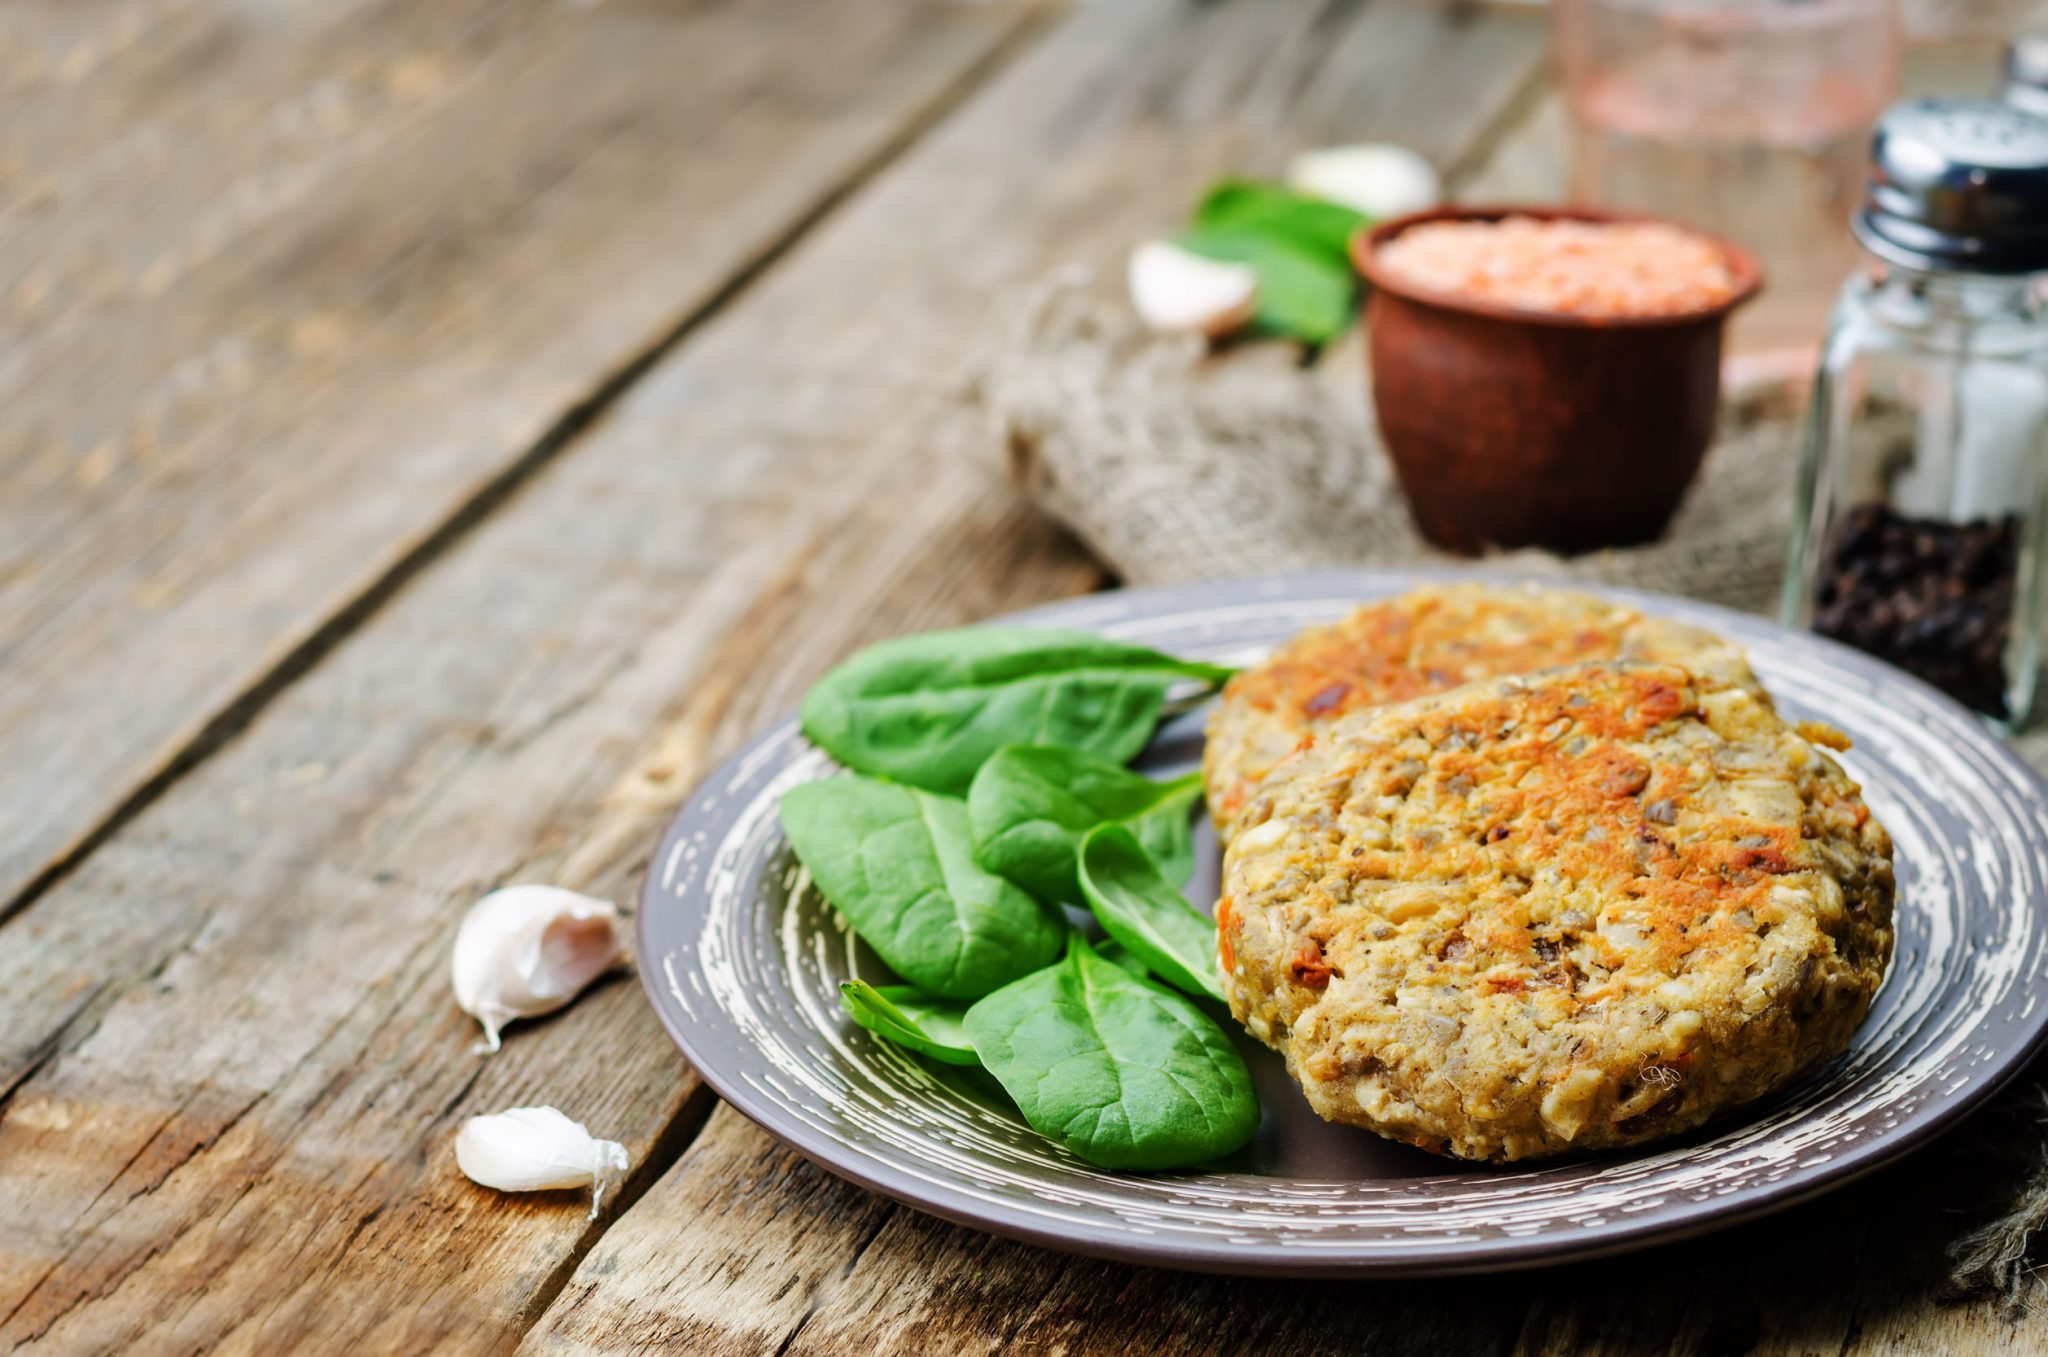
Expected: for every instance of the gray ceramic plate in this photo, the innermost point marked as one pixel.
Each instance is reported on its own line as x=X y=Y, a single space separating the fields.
x=744 y=967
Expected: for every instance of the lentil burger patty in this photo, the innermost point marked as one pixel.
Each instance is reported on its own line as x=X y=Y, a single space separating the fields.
x=1425 y=642
x=1578 y=909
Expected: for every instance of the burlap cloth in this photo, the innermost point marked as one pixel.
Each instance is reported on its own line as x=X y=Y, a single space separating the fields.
x=1175 y=464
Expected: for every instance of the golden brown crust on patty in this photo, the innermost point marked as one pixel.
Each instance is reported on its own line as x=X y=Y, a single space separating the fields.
x=1585 y=908
x=1425 y=641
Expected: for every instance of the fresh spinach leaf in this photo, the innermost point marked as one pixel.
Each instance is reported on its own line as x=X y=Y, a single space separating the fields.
x=929 y=710
x=1315 y=225
x=1167 y=831
x=1146 y=913
x=1303 y=295
x=1122 y=958
x=1031 y=805
x=1121 y=1071
x=899 y=863
x=1114 y=954
x=909 y=1017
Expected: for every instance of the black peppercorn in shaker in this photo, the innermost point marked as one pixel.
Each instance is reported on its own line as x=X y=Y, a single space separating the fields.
x=1925 y=469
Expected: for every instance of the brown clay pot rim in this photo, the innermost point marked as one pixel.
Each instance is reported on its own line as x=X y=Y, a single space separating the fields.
x=1366 y=242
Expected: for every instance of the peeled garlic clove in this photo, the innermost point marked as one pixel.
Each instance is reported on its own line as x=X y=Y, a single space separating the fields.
x=1179 y=292
x=1380 y=180
x=527 y=950
x=533 y=1149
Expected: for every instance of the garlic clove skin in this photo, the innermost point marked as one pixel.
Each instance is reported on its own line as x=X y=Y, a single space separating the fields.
x=535 y=1149
x=527 y=950
x=1177 y=291
x=1378 y=179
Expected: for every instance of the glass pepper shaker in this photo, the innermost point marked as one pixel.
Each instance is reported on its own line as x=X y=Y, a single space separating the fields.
x=1918 y=533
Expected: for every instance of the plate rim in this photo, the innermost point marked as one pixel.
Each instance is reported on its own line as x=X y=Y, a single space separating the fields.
x=1437 y=1259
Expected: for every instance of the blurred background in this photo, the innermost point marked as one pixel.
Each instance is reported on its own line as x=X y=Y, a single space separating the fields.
x=1753 y=121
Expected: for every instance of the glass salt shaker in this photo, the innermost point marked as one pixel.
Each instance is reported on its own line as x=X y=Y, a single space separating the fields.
x=2026 y=73
x=1919 y=530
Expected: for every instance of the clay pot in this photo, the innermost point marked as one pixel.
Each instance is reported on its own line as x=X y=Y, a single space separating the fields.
x=1513 y=428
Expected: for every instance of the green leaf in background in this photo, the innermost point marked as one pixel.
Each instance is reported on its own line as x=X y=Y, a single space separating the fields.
x=1121 y=1071
x=929 y=709
x=899 y=863
x=911 y=1018
x=1314 y=225
x=1303 y=294
x=1147 y=914
x=1030 y=806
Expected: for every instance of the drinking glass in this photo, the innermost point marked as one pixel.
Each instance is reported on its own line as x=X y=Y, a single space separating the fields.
x=1748 y=119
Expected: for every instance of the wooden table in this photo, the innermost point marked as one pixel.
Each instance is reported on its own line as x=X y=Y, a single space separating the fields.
x=435 y=432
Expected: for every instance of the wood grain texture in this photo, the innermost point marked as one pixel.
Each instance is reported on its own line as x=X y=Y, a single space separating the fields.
x=790 y=485
x=1848 y=1274
x=246 y=1137
x=290 y=288
x=818 y=1266
x=230 y=1068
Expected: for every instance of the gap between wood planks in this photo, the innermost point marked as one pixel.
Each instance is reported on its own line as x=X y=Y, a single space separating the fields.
x=662 y=1155
x=237 y=714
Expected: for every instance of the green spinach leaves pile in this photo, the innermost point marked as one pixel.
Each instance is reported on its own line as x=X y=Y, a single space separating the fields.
x=987 y=789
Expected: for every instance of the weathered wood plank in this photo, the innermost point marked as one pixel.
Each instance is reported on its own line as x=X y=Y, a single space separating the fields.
x=1852 y=1273
x=924 y=1286
x=1858 y=1272
x=799 y=1232
x=782 y=1257
x=237 y=1002
x=317 y=289
x=276 y=1156
x=250 y=1142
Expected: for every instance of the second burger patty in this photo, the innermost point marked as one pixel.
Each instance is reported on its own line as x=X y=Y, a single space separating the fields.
x=1426 y=641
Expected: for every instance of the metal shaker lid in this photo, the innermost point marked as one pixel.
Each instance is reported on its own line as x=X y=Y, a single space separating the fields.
x=1959 y=185
x=2026 y=73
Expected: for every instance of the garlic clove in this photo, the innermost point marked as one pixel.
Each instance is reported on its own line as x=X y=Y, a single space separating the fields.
x=527 y=950
x=1177 y=291
x=1379 y=179
x=535 y=1149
